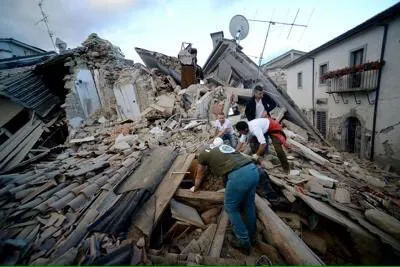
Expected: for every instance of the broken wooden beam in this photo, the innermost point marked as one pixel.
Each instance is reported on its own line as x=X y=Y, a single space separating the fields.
x=196 y=259
x=292 y=248
x=306 y=152
x=151 y=211
x=217 y=243
x=200 y=195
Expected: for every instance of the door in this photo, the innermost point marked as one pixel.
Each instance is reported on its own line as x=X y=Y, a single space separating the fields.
x=128 y=107
x=353 y=140
x=87 y=92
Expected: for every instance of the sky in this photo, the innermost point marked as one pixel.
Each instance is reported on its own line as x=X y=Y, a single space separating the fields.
x=162 y=25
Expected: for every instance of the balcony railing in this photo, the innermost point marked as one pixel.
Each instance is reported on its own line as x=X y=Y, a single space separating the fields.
x=353 y=82
x=359 y=78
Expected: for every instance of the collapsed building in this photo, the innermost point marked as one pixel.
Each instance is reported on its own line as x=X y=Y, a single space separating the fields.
x=116 y=192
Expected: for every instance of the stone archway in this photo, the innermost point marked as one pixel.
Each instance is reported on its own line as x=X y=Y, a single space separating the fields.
x=353 y=135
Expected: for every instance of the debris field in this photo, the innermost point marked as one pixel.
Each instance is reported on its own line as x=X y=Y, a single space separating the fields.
x=115 y=189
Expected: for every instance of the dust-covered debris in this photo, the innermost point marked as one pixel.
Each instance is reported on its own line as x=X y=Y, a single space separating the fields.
x=66 y=208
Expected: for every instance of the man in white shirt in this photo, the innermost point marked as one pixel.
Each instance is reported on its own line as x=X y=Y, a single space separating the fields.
x=260 y=129
x=224 y=129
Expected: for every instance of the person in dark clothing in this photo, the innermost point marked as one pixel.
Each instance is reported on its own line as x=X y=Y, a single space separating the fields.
x=259 y=105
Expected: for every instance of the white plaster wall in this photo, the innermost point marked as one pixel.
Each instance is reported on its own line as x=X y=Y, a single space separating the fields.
x=338 y=56
x=387 y=142
x=302 y=97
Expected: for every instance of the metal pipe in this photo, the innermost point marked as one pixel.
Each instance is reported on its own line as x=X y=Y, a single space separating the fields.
x=262 y=51
x=313 y=91
x=386 y=26
x=276 y=22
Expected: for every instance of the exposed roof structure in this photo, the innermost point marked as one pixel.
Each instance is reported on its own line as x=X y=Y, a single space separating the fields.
x=19 y=43
x=374 y=21
x=29 y=90
x=17 y=62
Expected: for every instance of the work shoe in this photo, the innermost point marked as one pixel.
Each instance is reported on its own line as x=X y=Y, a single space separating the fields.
x=245 y=249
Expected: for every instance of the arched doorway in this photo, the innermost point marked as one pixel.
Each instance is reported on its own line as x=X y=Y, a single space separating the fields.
x=353 y=135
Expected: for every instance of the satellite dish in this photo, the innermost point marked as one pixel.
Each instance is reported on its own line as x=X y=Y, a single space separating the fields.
x=239 y=27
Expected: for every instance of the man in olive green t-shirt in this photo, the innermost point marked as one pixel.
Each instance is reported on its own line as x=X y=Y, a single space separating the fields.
x=241 y=182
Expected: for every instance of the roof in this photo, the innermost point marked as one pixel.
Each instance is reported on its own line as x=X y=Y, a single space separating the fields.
x=29 y=90
x=283 y=56
x=16 y=42
x=17 y=62
x=374 y=21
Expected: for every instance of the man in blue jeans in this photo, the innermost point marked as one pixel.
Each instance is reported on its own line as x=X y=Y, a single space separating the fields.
x=241 y=179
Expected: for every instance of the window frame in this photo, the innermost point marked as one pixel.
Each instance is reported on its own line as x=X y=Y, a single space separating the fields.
x=299 y=86
x=320 y=82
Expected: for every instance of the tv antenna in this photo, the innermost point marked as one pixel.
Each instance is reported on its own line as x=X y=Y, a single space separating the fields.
x=239 y=27
x=270 y=22
x=46 y=22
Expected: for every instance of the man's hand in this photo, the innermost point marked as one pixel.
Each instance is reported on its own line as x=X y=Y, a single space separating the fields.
x=264 y=115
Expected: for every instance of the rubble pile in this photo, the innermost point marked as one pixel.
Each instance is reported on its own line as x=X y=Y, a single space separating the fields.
x=101 y=52
x=167 y=61
x=118 y=191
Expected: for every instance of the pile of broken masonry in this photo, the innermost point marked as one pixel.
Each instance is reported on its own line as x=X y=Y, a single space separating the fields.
x=117 y=194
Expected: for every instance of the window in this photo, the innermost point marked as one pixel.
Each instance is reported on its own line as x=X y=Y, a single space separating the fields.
x=323 y=69
x=321 y=122
x=299 y=80
x=356 y=58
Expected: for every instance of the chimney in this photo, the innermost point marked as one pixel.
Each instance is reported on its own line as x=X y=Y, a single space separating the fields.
x=216 y=38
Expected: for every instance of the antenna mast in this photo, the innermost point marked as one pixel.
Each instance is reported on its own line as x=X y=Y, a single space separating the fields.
x=270 y=22
x=46 y=22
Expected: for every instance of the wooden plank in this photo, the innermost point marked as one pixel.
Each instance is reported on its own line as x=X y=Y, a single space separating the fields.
x=359 y=217
x=200 y=195
x=151 y=211
x=218 y=242
x=186 y=213
x=31 y=141
x=8 y=146
x=306 y=152
x=366 y=244
x=296 y=129
x=21 y=148
x=291 y=247
x=238 y=91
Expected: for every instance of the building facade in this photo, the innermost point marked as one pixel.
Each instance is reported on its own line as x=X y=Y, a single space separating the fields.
x=349 y=88
x=13 y=48
x=274 y=68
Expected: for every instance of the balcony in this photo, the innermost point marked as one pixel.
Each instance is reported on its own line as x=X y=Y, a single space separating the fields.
x=361 y=78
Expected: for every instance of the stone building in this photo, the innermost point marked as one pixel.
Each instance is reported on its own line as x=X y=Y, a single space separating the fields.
x=349 y=87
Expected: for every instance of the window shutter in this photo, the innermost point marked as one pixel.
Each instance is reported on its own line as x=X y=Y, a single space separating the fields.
x=321 y=122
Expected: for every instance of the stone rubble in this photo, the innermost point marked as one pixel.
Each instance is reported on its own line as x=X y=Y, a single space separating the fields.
x=50 y=205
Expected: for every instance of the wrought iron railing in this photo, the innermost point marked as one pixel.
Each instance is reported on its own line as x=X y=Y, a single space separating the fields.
x=364 y=80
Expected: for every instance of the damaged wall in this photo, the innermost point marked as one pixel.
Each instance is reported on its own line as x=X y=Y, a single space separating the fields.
x=387 y=142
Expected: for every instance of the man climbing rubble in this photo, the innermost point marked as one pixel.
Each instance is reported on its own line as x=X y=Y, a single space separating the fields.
x=260 y=129
x=224 y=129
x=241 y=179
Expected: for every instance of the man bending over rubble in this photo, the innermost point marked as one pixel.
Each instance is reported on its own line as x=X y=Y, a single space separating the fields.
x=241 y=178
x=261 y=128
x=224 y=129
